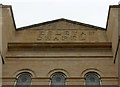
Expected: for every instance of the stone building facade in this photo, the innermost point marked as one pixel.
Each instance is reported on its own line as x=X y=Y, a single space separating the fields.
x=60 y=52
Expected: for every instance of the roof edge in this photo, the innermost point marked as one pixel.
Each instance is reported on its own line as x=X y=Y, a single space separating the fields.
x=110 y=6
x=115 y=6
x=11 y=10
x=61 y=19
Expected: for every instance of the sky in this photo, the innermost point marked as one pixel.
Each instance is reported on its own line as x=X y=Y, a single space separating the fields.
x=28 y=12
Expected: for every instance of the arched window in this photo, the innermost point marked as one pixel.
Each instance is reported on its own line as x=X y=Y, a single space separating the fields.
x=23 y=80
x=92 y=80
x=58 y=80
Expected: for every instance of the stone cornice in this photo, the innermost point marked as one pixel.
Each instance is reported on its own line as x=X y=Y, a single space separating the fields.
x=60 y=45
x=59 y=57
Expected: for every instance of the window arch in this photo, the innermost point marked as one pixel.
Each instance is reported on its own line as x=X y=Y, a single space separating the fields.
x=92 y=79
x=24 y=79
x=58 y=79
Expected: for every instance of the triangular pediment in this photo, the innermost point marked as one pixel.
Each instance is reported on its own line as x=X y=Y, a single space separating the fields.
x=60 y=30
x=61 y=24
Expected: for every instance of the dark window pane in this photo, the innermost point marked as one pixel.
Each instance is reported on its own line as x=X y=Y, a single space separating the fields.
x=58 y=80
x=92 y=80
x=24 y=80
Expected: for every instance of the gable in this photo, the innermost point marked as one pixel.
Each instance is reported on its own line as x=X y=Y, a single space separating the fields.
x=61 y=30
x=61 y=24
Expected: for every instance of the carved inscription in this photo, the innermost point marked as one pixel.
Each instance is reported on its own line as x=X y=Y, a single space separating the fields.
x=64 y=35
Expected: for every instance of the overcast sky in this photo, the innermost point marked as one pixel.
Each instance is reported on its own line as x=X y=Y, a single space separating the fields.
x=28 y=12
